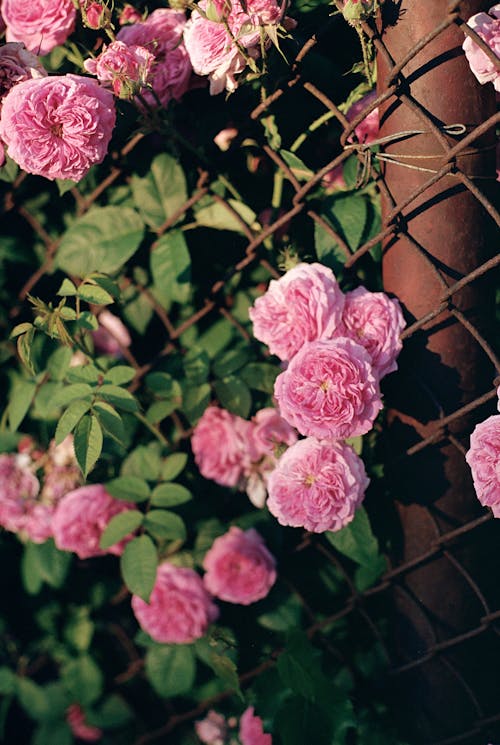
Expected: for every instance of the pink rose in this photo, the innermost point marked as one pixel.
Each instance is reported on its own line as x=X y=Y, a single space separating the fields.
x=40 y=24
x=129 y=14
x=17 y=64
x=239 y=568
x=58 y=126
x=19 y=489
x=329 y=390
x=303 y=305
x=487 y=26
x=112 y=336
x=219 y=444
x=81 y=517
x=375 y=321
x=212 y=730
x=484 y=461
x=161 y=34
x=61 y=471
x=124 y=68
x=251 y=729
x=179 y=609
x=368 y=129
x=95 y=15
x=75 y=717
x=317 y=485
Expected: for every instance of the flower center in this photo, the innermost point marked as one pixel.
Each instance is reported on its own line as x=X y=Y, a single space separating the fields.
x=324 y=385
x=57 y=129
x=309 y=479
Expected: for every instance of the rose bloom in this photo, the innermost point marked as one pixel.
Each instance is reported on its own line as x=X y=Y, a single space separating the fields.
x=129 y=14
x=375 y=321
x=487 y=26
x=484 y=461
x=19 y=489
x=161 y=34
x=251 y=729
x=329 y=390
x=213 y=729
x=40 y=24
x=124 y=68
x=111 y=336
x=305 y=304
x=75 y=717
x=368 y=129
x=61 y=471
x=239 y=568
x=219 y=444
x=81 y=517
x=179 y=609
x=317 y=485
x=58 y=126
x=17 y=64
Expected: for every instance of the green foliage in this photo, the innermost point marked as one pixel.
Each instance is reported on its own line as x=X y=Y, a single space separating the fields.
x=138 y=565
x=171 y=669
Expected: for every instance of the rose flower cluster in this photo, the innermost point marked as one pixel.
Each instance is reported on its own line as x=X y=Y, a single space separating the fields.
x=483 y=458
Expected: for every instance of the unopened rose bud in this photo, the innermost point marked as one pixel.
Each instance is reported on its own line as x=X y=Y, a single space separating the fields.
x=96 y=15
x=355 y=11
x=128 y=15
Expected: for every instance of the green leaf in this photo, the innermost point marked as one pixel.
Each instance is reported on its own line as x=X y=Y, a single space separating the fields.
x=297 y=166
x=21 y=397
x=24 y=347
x=71 y=393
x=233 y=395
x=299 y=721
x=67 y=288
x=104 y=238
x=283 y=611
x=30 y=572
x=21 y=328
x=171 y=269
x=129 y=489
x=159 y=410
x=83 y=679
x=9 y=171
x=79 y=630
x=70 y=419
x=226 y=670
x=88 y=441
x=138 y=566
x=53 y=565
x=53 y=732
x=143 y=462
x=94 y=294
x=32 y=698
x=110 y=421
x=356 y=540
x=165 y=525
x=347 y=215
x=172 y=466
x=119 y=397
x=161 y=192
x=119 y=527
x=195 y=400
x=298 y=666
x=7 y=681
x=83 y=374
x=64 y=185
x=119 y=375
x=170 y=495
x=218 y=217
x=171 y=669
x=196 y=365
x=228 y=362
x=260 y=376
x=58 y=363
x=114 y=712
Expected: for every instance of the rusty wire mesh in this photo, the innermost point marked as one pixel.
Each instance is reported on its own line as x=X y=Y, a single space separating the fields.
x=365 y=606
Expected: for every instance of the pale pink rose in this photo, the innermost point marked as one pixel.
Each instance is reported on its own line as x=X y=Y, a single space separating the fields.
x=484 y=461
x=61 y=471
x=329 y=390
x=317 y=485
x=303 y=305
x=239 y=568
x=19 y=489
x=219 y=444
x=17 y=64
x=498 y=396
x=81 y=517
x=487 y=26
x=213 y=729
x=40 y=24
x=375 y=321
x=75 y=717
x=58 y=126
x=37 y=524
x=225 y=137
x=368 y=129
x=252 y=730
x=112 y=336
x=124 y=68
x=161 y=34
x=129 y=14
x=179 y=609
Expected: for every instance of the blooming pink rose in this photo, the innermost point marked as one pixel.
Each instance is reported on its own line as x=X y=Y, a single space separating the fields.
x=124 y=68
x=19 y=489
x=81 y=517
x=40 y=24
x=213 y=729
x=75 y=717
x=239 y=568
x=111 y=336
x=161 y=34
x=129 y=14
x=375 y=321
x=368 y=129
x=317 y=485
x=179 y=609
x=303 y=305
x=251 y=729
x=219 y=444
x=484 y=461
x=58 y=126
x=487 y=26
x=329 y=390
x=17 y=64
